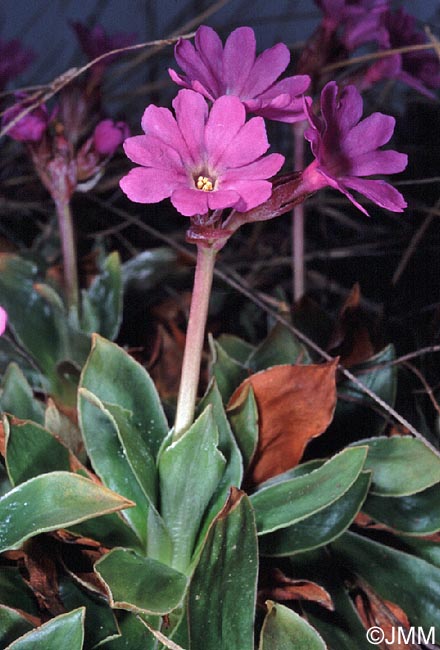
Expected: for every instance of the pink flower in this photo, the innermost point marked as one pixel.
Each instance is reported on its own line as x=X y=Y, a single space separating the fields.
x=202 y=160
x=214 y=70
x=95 y=41
x=3 y=320
x=419 y=70
x=32 y=126
x=109 y=135
x=346 y=149
x=14 y=59
x=360 y=21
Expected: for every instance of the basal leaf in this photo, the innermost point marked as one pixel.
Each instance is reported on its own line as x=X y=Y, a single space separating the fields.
x=235 y=347
x=51 y=501
x=12 y=625
x=53 y=635
x=401 y=466
x=228 y=372
x=321 y=528
x=17 y=396
x=102 y=302
x=140 y=583
x=284 y=629
x=243 y=418
x=190 y=470
x=222 y=593
x=291 y=501
x=280 y=347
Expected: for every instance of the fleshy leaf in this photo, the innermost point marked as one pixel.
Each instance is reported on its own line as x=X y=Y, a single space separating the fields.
x=280 y=347
x=281 y=505
x=51 y=501
x=12 y=625
x=141 y=584
x=243 y=417
x=222 y=593
x=102 y=302
x=284 y=629
x=17 y=397
x=228 y=372
x=53 y=635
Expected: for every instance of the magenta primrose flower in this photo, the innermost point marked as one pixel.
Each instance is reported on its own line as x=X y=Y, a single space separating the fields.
x=420 y=69
x=346 y=149
x=214 y=70
x=32 y=126
x=359 y=20
x=108 y=135
x=3 y=320
x=203 y=160
x=14 y=59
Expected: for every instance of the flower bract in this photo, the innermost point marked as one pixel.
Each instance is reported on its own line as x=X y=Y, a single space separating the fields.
x=346 y=149
x=214 y=70
x=203 y=160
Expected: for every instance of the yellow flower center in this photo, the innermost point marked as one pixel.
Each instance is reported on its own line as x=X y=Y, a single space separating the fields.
x=205 y=184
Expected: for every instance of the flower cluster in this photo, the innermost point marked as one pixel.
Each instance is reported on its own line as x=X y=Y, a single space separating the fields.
x=207 y=157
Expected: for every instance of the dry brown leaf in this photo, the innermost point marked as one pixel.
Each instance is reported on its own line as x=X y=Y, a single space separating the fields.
x=277 y=586
x=42 y=575
x=374 y=611
x=295 y=404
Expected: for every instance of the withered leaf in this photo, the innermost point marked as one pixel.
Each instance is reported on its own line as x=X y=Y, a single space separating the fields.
x=277 y=586
x=295 y=404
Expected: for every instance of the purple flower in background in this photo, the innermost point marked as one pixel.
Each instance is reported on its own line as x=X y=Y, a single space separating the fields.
x=3 y=320
x=32 y=126
x=346 y=149
x=202 y=160
x=108 y=135
x=14 y=59
x=95 y=41
x=419 y=70
x=214 y=70
x=360 y=21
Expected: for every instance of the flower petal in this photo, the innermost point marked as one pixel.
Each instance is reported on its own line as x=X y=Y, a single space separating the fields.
x=378 y=162
x=222 y=199
x=266 y=69
x=191 y=114
x=371 y=133
x=3 y=320
x=190 y=202
x=260 y=169
x=238 y=59
x=160 y=122
x=194 y=67
x=379 y=192
x=144 y=185
x=210 y=49
x=249 y=144
x=252 y=193
x=225 y=120
x=149 y=151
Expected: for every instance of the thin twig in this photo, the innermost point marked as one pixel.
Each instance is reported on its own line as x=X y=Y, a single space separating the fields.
x=424 y=383
x=378 y=55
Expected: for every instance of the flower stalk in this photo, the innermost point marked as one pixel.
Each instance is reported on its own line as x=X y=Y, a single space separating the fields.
x=67 y=236
x=192 y=357
x=298 y=267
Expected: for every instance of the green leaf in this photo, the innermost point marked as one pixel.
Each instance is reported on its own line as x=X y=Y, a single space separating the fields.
x=284 y=629
x=102 y=302
x=235 y=347
x=133 y=634
x=109 y=460
x=190 y=470
x=227 y=445
x=243 y=418
x=17 y=397
x=100 y=622
x=280 y=347
x=319 y=529
x=401 y=466
x=116 y=378
x=31 y=450
x=356 y=417
x=425 y=549
x=140 y=583
x=53 y=635
x=228 y=373
x=418 y=514
x=222 y=593
x=12 y=625
x=52 y=501
x=150 y=268
x=11 y=353
x=15 y=593
x=111 y=530
x=408 y=581
x=290 y=501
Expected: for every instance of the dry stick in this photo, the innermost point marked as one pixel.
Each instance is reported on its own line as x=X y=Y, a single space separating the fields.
x=428 y=390
x=378 y=55
x=241 y=288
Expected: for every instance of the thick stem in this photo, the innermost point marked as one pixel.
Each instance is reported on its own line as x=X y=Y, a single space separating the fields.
x=298 y=266
x=195 y=335
x=65 y=224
